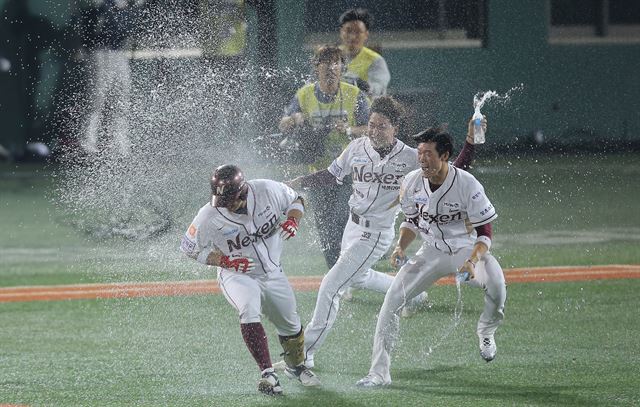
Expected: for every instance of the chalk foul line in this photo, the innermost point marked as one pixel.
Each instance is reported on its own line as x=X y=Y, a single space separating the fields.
x=199 y=287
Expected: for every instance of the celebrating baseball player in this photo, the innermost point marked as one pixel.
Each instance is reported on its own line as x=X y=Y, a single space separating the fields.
x=450 y=210
x=377 y=163
x=241 y=231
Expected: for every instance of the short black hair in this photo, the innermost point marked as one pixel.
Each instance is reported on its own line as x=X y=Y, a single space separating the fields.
x=388 y=107
x=443 y=140
x=356 y=14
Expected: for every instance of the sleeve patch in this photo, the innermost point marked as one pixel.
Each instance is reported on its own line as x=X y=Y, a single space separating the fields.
x=187 y=245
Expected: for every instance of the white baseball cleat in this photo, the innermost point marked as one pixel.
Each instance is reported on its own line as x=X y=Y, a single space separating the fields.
x=303 y=374
x=281 y=365
x=269 y=383
x=488 y=348
x=371 y=381
x=416 y=304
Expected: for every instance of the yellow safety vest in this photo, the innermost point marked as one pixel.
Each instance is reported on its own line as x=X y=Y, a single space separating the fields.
x=359 y=66
x=319 y=114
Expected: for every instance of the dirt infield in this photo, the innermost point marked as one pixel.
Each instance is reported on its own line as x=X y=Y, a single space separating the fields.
x=194 y=287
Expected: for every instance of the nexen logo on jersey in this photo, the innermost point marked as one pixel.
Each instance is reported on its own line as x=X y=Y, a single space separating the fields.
x=439 y=218
x=263 y=231
x=388 y=180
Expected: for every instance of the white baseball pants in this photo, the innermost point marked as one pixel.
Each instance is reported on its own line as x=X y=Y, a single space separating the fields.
x=424 y=269
x=361 y=248
x=269 y=294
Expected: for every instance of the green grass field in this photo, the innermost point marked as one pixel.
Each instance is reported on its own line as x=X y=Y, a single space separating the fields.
x=565 y=344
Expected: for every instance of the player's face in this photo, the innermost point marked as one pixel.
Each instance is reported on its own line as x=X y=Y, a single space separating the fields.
x=353 y=35
x=329 y=73
x=431 y=162
x=236 y=204
x=380 y=131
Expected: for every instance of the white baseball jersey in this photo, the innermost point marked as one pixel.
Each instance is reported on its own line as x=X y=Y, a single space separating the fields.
x=255 y=234
x=376 y=181
x=447 y=216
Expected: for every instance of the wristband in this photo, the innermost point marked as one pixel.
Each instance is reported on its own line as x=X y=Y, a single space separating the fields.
x=297 y=206
x=484 y=239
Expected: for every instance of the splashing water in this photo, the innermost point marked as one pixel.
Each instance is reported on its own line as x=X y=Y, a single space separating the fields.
x=457 y=318
x=481 y=97
x=185 y=115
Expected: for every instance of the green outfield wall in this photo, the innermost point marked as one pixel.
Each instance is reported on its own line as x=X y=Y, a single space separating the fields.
x=580 y=91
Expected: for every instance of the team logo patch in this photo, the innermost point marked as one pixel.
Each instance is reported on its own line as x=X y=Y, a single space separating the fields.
x=424 y=200
x=267 y=209
x=192 y=231
x=230 y=232
x=452 y=206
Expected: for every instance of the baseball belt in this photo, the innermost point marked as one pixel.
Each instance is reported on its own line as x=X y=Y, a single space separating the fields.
x=359 y=220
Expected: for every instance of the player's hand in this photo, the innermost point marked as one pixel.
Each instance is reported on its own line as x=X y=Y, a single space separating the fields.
x=240 y=264
x=289 y=228
x=470 y=129
x=470 y=267
x=398 y=258
x=288 y=123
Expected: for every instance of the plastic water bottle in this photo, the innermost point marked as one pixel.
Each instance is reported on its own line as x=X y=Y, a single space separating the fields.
x=463 y=276
x=478 y=132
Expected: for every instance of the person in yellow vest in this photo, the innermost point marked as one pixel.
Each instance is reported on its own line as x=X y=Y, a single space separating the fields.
x=326 y=115
x=365 y=68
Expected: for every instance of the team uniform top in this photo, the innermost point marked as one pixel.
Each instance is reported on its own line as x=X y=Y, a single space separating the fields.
x=446 y=217
x=253 y=235
x=376 y=181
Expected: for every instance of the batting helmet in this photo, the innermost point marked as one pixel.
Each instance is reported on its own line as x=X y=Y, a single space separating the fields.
x=227 y=185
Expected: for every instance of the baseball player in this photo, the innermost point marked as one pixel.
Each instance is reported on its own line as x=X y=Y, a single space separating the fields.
x=450 y=210
x=241 y=231
x=377 y=164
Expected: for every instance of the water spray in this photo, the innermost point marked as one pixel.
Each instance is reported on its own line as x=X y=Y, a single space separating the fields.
x=478 y=101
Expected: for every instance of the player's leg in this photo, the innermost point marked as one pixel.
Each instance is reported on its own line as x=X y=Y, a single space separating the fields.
x=327 y=221
x=279 y=305
x=361 y=248
x=244 y=294
x=490 y=277
x=425 y=268
x=370 y=279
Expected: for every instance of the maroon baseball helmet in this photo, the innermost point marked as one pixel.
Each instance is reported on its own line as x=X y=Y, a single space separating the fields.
x=227 y=185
